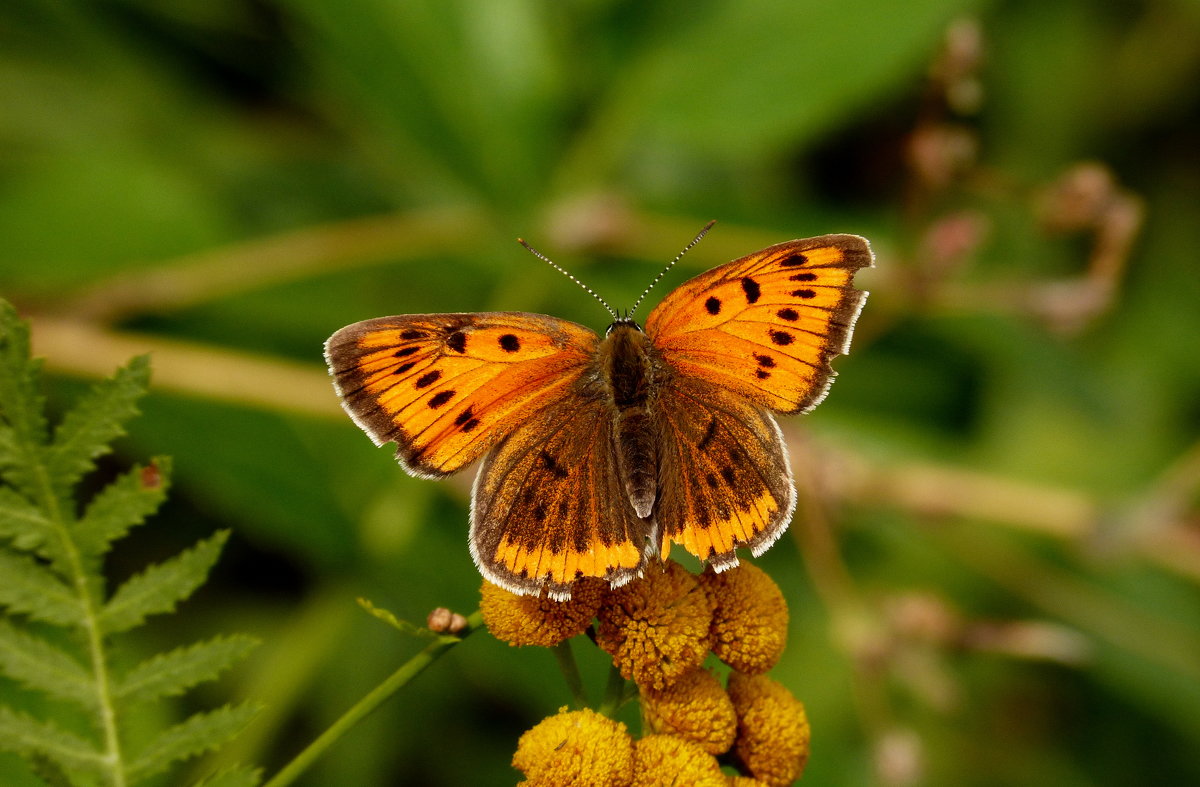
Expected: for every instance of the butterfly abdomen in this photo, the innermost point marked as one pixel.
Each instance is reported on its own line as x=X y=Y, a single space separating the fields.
x=628 y=369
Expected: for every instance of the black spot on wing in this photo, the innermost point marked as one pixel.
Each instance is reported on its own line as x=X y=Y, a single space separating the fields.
x=709 y=433
x=509 y=343
x=752 y=290
x=404 y=367
x=552 y=465
x=466 y=420
x=412 y=335
x=764 y=360
x=761 y=374
x=713 y=306
x=804 y=294
x=440 y=398
x=428 y=379
x=793 y=260
x=806 y=276
x=728 y=475
x=457 y=341
x=782 y=338
x=406 y=352
x=791 y=315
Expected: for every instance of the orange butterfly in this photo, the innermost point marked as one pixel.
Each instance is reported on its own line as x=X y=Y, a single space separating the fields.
x=601 y=453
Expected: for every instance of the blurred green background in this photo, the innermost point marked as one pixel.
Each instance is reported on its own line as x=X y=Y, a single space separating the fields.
x=994 y=574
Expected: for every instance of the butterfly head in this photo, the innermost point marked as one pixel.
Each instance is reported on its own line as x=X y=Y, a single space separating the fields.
x=622 y=322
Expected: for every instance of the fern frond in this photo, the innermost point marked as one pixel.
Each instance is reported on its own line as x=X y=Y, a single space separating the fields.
x=161 y=586
x=173 y=673
x=32 y=589
x=122 y=505
x=21 y=521
x=37 y=664
x=95 y=421
x=22 y=407
x=50 y=572
x=29 y=737
x=198 y=734
x=237 y=776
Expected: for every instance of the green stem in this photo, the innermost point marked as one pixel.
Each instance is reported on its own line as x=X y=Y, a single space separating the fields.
x=376 y=697
x=570 y=671
x=112 y=760
x=614 y=693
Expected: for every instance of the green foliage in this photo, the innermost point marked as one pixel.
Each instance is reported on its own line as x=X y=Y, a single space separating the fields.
x=51 y=557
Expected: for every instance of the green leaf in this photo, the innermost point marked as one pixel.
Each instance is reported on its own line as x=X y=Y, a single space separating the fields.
x=743 y=79
x=32 y=589
x=22 y=521
x=40 y=665
x=388 y=617
x=29 y=737
x=172 y=673
x=200 y=733
x=237 y=776
x=123 y=504
x=94 y=421
x=49 y=771
x=161 y=586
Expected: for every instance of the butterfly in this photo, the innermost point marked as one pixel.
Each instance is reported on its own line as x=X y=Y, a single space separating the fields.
x=599 y=453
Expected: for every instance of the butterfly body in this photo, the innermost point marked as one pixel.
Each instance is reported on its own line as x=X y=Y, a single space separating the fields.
x=633 y=371
x=598 y=454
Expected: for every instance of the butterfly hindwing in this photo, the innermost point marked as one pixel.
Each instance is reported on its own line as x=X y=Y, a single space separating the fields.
x=446 y=387
x=724 y=474
x=549 y=506
x=767 y=325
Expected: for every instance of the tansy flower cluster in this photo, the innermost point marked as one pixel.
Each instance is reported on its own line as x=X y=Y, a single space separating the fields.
x=659 y=630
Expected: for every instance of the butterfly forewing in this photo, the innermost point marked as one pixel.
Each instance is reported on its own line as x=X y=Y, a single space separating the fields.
x=446 y=387
x=767 y=325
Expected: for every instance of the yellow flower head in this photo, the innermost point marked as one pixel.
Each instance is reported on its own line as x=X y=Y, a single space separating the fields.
x=656 y=628
x=581 y=747
x=750 y=618
x=694 y=707
x=773 y=732
x=534 y=620
x=665 y=761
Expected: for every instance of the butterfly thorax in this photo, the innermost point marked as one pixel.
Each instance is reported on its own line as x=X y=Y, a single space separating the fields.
x=629 y=366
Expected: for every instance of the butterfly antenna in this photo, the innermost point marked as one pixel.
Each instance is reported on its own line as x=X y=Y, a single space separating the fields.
x=564 y=272
x=670 y=265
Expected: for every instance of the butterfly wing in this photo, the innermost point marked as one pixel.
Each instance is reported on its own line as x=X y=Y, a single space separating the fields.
x=767 y=325
x=447 y=387
x=753 y=335
x=549 y=505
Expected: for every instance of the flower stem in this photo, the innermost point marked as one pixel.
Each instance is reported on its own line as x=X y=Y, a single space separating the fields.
x=614 y=693
x=570 y=671
x=376 y=697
